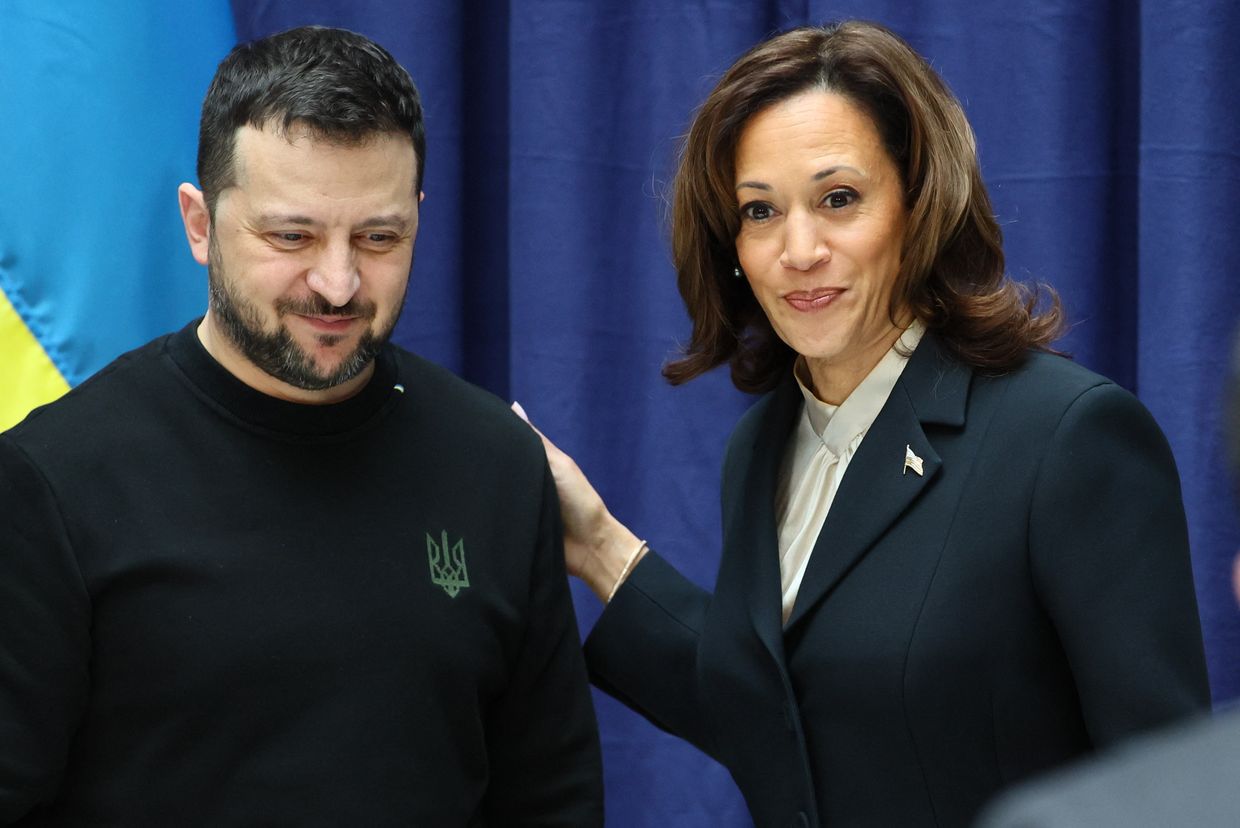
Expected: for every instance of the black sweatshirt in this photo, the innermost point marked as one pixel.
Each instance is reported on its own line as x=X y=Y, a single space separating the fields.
x=220 y=608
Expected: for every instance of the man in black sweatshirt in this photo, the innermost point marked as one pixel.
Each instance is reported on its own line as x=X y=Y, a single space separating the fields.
x=271 y=569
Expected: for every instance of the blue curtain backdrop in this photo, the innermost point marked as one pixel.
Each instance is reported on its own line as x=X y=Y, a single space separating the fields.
x=1109 y=138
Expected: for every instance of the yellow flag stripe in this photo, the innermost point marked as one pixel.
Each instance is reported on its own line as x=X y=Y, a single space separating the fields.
x=27 y=377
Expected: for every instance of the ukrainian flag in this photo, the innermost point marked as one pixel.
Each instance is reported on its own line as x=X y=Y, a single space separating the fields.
x=99 y=103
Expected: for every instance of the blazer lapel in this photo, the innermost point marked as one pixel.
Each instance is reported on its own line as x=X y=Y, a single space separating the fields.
x=754 y=506
x=877 y=487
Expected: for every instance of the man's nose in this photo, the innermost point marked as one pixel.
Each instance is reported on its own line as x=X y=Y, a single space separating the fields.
x=335 y=275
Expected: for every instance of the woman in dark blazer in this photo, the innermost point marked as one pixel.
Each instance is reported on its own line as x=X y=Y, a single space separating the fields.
x=984 y=571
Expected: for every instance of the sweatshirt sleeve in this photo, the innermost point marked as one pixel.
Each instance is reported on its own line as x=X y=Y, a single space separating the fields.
x=542 y=736
x=1109 y=554
x=44 y=638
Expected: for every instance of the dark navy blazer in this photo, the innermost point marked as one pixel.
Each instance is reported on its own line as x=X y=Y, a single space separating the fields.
x=1026 y=598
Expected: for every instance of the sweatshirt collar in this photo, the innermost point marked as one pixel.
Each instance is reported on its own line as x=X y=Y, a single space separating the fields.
x=220 y=388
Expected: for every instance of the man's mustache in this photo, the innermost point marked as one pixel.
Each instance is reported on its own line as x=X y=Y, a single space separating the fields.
x=318 y=306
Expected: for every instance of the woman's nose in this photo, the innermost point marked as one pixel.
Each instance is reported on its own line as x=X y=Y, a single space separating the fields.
x=805 y=245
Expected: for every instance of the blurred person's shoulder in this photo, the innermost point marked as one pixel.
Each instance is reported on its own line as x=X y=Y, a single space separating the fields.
x=1183 y=775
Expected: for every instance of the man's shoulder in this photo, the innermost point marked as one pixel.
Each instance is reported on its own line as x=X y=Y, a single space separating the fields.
x=106 y=396
x=452 y=396
x=453 y=405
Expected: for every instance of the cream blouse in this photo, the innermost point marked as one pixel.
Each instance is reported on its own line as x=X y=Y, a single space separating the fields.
x=826 y=438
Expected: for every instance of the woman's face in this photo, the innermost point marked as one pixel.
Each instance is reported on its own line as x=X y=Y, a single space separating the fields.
x=822 y=222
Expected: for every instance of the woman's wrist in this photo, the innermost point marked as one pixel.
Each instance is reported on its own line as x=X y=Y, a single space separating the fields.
x=613 y=554
x=629 y=563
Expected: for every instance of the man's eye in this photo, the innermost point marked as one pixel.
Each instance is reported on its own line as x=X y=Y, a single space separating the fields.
x=290 y=238
x=377 y=241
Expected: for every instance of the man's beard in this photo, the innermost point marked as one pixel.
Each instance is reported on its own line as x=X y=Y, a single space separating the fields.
x=277 y=353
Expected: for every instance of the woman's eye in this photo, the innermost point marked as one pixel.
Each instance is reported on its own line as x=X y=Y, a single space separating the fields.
x=757 y=211
x=840 y=198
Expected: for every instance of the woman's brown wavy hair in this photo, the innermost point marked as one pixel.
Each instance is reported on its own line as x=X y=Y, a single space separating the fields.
x=952 y=270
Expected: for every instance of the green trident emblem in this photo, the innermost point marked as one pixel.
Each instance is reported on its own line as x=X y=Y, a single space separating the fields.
x=447 y=564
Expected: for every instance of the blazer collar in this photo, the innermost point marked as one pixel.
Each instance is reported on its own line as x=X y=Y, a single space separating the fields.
x=933 y=389
x=937 y=384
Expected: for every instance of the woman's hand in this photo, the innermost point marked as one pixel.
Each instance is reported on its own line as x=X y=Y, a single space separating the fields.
x=598 y=549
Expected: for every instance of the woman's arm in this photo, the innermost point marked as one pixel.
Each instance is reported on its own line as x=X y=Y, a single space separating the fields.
x=1110 y=559
x=643 y=650
x=598 y=549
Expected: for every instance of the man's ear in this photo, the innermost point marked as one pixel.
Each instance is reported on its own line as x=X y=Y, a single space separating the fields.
x=197 y=221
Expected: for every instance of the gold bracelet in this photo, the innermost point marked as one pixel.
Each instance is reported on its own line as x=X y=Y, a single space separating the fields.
x=625 y=572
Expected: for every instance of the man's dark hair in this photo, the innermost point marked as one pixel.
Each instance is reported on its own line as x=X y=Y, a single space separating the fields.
x=341 y=86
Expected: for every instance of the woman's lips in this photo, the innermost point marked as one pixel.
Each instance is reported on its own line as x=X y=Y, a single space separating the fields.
x=813 y=300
